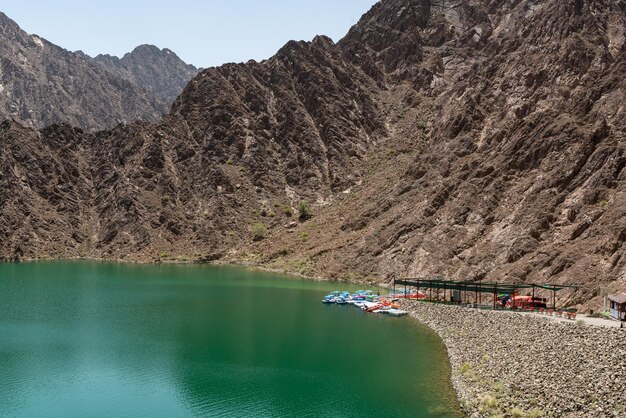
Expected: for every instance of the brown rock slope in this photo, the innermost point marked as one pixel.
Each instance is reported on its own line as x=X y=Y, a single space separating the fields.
x=480 y=140
x=521 y=173
x=242 y=139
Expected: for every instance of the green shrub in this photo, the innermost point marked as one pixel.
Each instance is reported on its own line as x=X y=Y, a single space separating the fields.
x=601 y=315
x=498 y=387
x=490 y=402
x=465 y=368
x=468 y=372
x=304 y=210
x=517 y=413
x=304 y=236
x=288 y=211
x=258 y=231
x=535 y=413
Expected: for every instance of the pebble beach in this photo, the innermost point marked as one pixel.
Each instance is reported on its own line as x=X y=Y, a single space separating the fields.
x=507 y=364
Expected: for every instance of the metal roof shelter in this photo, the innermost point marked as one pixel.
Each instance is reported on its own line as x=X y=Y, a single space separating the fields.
x=479 y=288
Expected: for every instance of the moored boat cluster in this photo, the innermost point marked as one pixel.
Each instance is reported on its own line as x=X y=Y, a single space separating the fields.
x=369 y=302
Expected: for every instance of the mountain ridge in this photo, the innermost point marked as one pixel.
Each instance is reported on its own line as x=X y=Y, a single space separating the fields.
x=43 y=83
x=159 y=71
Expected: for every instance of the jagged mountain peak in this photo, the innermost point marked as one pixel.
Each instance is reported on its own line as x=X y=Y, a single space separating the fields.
x=7 y=23
x=152 y=52
x=399 y=15
x=149 y=49
x=42 y=84
x=295 y=47
x=388 y=38
x=160 y=71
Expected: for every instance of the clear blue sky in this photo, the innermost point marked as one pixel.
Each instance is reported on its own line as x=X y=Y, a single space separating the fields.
x=203 y=33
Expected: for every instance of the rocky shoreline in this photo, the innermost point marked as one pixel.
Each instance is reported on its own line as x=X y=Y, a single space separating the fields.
x=515 y=365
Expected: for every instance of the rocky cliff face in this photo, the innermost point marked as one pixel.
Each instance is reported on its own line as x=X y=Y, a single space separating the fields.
x=505 y=158
x=42 y=84
x=463 y=139
x=241 y=140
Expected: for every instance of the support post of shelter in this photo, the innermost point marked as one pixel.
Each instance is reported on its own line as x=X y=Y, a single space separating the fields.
x=495 y=295
x=419 y=286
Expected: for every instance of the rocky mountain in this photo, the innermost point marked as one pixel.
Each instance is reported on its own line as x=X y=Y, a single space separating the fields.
x=466 y=139
x=42 y=84
x=158 y=71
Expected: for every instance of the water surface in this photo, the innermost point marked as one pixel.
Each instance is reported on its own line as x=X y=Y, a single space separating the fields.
x=97 y=339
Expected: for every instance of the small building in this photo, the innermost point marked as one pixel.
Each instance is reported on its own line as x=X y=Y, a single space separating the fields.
x=617 y=305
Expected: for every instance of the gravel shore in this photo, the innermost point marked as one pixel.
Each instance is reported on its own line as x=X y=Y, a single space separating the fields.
x=514 y=365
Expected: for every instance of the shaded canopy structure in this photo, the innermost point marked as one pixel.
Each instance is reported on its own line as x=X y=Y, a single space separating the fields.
x=480 y=288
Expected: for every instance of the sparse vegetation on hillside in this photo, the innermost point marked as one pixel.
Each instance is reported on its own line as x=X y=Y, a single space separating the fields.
x=258 y=231
x=304 y=210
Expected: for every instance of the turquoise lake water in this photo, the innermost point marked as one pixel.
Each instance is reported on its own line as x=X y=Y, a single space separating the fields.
x=111 y=340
